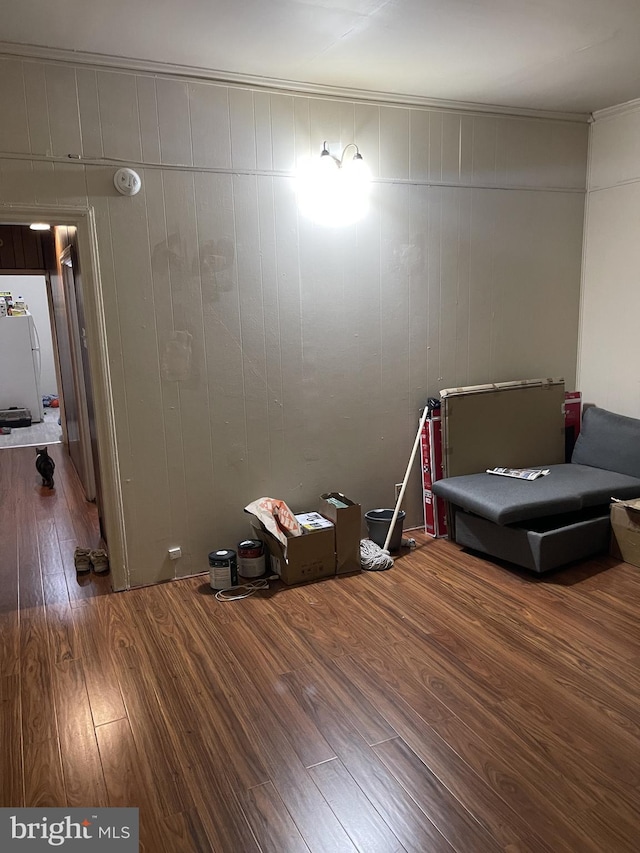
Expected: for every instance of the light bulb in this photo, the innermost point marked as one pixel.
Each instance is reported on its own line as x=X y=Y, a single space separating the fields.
x=333 y=193
x=357 y=171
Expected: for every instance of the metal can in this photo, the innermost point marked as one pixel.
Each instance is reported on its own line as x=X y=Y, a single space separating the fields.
x=251 y=558
x=223 y=569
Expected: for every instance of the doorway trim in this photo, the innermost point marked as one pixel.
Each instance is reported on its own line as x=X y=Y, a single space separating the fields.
x=83 y=219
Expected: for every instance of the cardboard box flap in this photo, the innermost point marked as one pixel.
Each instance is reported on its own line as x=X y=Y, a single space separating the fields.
x=633 y=505
x=338 y=500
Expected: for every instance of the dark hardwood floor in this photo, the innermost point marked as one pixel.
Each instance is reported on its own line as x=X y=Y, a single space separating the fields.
x=449 y=704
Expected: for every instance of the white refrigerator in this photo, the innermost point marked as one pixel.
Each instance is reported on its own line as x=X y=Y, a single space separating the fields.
x=20 y=360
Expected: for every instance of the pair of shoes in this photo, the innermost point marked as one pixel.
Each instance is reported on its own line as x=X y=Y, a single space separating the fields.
x=84 y=559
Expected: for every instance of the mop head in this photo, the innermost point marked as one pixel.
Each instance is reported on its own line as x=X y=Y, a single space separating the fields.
x=373 y=558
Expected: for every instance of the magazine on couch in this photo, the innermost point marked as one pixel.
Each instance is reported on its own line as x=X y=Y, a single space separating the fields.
x=519 y=473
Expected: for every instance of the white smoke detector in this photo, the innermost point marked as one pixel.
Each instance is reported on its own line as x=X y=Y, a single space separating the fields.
x=127 y=182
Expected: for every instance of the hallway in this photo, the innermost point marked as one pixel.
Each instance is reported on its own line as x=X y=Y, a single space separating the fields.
x=39 y=533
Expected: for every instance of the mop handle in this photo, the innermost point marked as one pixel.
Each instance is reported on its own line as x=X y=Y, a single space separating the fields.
x=406 y=478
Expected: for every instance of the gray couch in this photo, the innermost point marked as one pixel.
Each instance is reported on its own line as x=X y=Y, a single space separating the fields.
x=542 y=524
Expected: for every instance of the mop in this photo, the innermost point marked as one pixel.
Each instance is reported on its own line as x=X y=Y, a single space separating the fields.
x=372 y=557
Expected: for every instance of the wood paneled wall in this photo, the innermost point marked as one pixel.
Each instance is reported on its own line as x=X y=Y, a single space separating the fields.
x=609 y=341
x=253 y=352
x=20 y=249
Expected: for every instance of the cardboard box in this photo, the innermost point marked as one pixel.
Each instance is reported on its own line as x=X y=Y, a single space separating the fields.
x=307 y=558
x=347 y=518
x=625 y=531
x=435 y=510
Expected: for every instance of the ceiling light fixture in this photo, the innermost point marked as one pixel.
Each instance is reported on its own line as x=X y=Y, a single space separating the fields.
x=40 y=226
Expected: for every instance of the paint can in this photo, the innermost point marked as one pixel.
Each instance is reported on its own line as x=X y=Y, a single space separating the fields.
x=251 y=558
x=223 y=569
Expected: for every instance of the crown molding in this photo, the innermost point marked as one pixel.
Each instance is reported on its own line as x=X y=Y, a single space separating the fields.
x=230 y=78
x=617 y=110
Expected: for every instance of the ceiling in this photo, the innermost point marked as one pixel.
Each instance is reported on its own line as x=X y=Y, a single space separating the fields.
x=567 y=55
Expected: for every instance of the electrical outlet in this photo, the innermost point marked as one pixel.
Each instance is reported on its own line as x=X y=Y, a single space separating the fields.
x=175 y=553
x=398 y=488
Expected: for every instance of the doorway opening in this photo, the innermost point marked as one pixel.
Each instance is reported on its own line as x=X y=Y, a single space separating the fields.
x=68 y=356
x=42 y=338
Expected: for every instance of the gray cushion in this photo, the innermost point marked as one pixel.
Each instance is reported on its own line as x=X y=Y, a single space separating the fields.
x=609 y=441
x=566 y=489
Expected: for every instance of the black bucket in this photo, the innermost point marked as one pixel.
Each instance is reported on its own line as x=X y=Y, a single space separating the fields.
x=378 y=521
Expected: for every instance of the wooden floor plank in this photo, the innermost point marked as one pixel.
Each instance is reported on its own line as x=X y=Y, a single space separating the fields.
x=124 y=782
x=118 y=631
x=356 y=813
x=55 y=589
x=57 y=499
x=265 y=624
x=363 y=714
x=62 y=636
x=159 y=764
x=99 y=670
x=9 y=637
x=30 y=594
x=11 y=768
x=9 y=628
x=271 y=823
x=49 y=547
x=84 y=779
x=38 y=718
x=43 y=776
x=222 y=817
x=186 y=833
